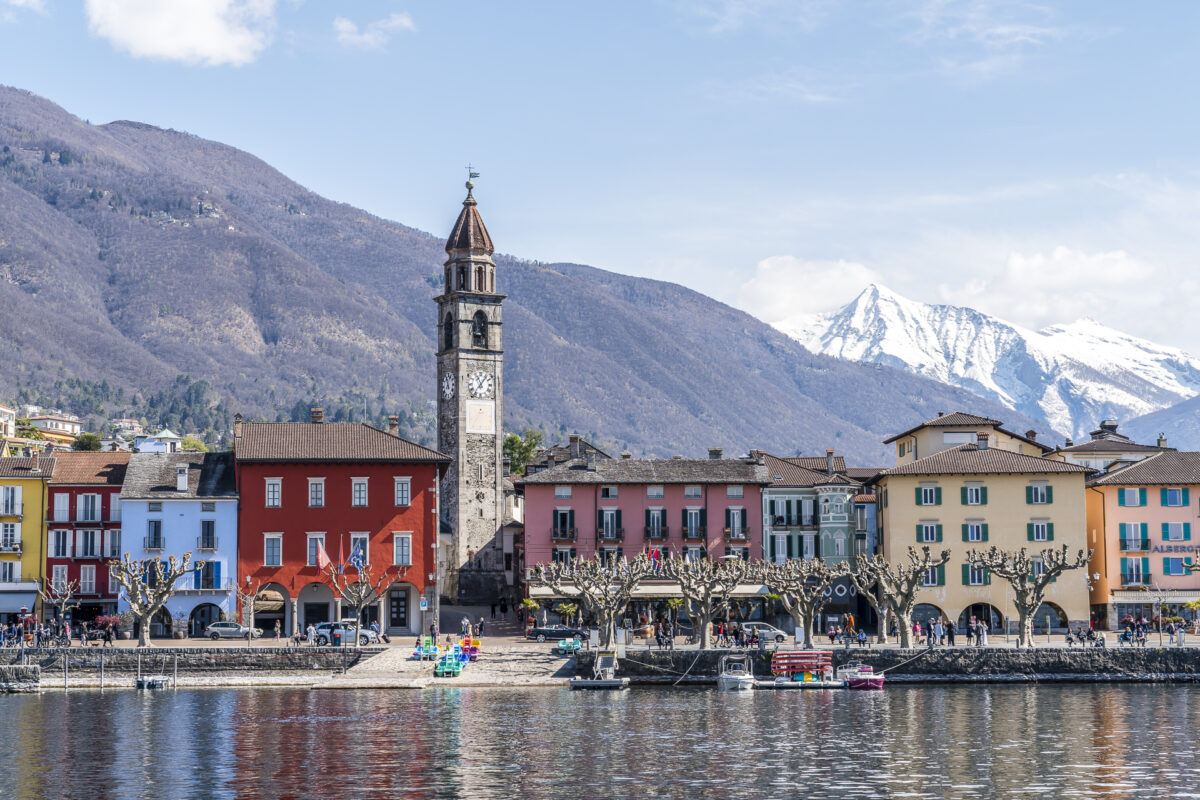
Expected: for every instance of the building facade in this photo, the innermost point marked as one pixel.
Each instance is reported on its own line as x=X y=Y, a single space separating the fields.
x=947 y=431
x=83 y=529
x=1106 y=448
x=972 y=497
x=320 y=494
x=57 y=428
x=470 y=381
x=177 y=503
x=22 y=527
x=1139 y=521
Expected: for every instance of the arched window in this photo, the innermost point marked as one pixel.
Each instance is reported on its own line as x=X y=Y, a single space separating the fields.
x=448 y=333
x=479 y=331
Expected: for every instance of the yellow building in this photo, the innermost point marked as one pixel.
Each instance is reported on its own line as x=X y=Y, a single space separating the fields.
x=951 y=430
x=973 y=496
x=22 y=531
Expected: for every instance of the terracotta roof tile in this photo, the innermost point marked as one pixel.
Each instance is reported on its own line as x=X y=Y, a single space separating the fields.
x=969 y=459
x=1111 y=446
x=327 y=441
x=23 y=467
x=1171 y=468
x=957 y=419
x=817 y=462
x=100 y=468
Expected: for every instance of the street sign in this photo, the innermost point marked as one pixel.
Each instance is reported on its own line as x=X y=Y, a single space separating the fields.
x=424 y=604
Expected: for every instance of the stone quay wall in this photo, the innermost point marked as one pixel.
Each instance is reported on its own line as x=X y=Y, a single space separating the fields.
x=941 y=665
x=190 y=660
x=19 y=680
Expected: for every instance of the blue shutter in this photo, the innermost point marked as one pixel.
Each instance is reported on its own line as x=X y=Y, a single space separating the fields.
x=1146 y=569
x=1166 y=566
x=1187 y=531
x=216 y=574
x=1141 y=497
x=196 y=576
x=1146 y=532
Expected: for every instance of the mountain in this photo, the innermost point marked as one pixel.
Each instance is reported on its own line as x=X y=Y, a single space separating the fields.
x=148 y=271
x=1069 y=376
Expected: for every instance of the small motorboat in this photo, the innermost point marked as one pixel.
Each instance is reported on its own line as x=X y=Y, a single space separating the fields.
x=153 y=682
x=735 y=673
x=860 y=676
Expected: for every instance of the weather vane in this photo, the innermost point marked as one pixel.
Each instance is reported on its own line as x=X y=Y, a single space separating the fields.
x=471 y=175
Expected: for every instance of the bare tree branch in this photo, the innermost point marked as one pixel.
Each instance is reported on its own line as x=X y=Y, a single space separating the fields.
x=60 y=595
x=900 y=582
x=1028 y=584
x=706 y=585
x=149 y=584
x=603 y=586
x=802 y=586
x=361 y=590
x=869 y=587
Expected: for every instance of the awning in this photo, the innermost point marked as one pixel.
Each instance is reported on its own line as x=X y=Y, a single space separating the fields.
x=11 y=601
x=649 y=591
x=1149 y=598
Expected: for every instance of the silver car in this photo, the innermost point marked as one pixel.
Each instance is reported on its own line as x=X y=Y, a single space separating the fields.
x=325 y=631
x=765 y=632
x=231 y=630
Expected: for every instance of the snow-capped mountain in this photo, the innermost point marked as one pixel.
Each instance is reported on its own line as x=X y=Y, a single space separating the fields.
x=1072 y=375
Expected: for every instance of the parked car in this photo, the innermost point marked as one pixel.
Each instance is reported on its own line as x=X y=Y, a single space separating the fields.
x=556 y=632
x=765 y=632
x=231 y=630
x=325 y=631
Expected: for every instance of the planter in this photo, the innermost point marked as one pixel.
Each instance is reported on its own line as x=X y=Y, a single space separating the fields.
x=177 y=635
x=125 y=635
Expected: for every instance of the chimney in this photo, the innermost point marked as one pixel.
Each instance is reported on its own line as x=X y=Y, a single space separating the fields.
x=591 y=461
x=981 y=440
x=181 y=478
x=760 y=457
x=237 y=425
x=1031 y=435
x=394 y=426
x=1069 y=443
x=506 y=464
x=829 y=462
x=318 y=416
x=714 y=453
x=1109 y=425
x=626 y=455
x=574 y=446
x=1162 y=440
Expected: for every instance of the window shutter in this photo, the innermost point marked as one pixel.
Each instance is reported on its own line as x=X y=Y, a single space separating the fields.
x=962 y=494
x=619 y=525
x=664 y=518
x=1184 y=498
x=1120 y=497
x=196 y=576
x=1124 y=568
x=571 y=519
x=704 y=518
x=987 y=577
x=1029 y=532
x=966 y=574
x=647 y=518
x=728 y=517
x=937 y=495
x=938 y=534
x=1187 y=531
x=1166 y=530
x=791 y=550
x=1145 y=530
x=1162 y=497
x=573 y=556
x=966 y=530
x=920 y=530
x=1141 y=497
x=941 y=575
x=1187 y=560
x=983 y=496
x=1049 y=531
x=772 y=547
x=1166 y=566
x=983 y=531
x=1049 y=494
x=744 y=522
x=683 y=515
x=727 y=553
x=1121 y=528
x=789 y=515
x=1146 y=568
x=1028 y=495
x=599 y=519
x=919 y=496
x=620 y=553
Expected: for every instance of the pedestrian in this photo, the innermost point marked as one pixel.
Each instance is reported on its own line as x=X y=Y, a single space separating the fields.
x=950 y=633
x=311 y=632
x=917 y=631
x=504 y=608
x=480 y=627
x=83 y=634
x=982 y=633
x=108 y=636
x=939 y=631
x=669 y=635
x=433 y=631
x=277 y=630
x=465 y=625
x=862 y=638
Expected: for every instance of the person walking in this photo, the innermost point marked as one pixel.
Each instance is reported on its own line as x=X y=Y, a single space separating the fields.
x=939 y=631
x=433 y=631
x=950 y=633
x=311 y=632
x=481 y=627
x=982 y=633
x=503 y=608
x=277 y=630
x=108 y=636
x=465 y=625
x=669 y=635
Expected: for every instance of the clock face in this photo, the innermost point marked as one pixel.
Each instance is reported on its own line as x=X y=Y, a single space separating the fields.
x=447 y=386
x=480 y=384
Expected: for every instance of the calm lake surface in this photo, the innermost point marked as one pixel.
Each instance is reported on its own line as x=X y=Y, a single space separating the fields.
x=969 y=741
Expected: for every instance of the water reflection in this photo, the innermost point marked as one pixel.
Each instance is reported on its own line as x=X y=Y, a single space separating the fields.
x=977 y=741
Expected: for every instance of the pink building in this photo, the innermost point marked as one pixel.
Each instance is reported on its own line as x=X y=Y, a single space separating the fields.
x=684 y=507
x=1139 y=520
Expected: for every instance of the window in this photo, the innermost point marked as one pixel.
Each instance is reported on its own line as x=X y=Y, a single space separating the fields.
x=403 y=491
x=87 y=579
x=975 y=575
x=1038 y=494
x=60 y=543
x=114 y=507
x=733 y=491
x=929 y=495
x=734 y=517
x=930 y=577
x=958 y=437
x=974 y=532
x=1129 y=497
x=479 y=328
x=208 y=508
x=654 y=492
x=274 y=492
x=691 y=491
x=1040 y=532
x=693 y=553
x=1174 y=497
x=973 y=494
x=608 y=493
x=10 y=500
x=655 y=522
x=928 y=532
x=316 y=548
x=272 y=550
x=564 y=523
x=1135 y=570
x=9 y=541
x=154 y=537
x=10 y=571
x=839 y=545
x=89 y=508
x=316 y=492
x=402 y=549
x=562 y=555
x=692 y=515
x=114 y=543
x=1037 y=567
x=360 y=553
x=154 y=507
x=58 y=577
x=562 y=492
x=89 y=544
x=358 y=492
x=1177 y=531
x=208 y=535
x=609 y=523
x=1176 y=566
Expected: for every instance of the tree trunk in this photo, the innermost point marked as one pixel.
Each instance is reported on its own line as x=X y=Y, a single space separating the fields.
x=880 y=606
x=144 y=631
x=704 y=621
x=1024 y=628
x=808 y=631
x=904 y=625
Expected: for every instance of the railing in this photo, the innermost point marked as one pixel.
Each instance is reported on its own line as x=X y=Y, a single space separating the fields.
x=152 y=542
x=1128 y=545
x=738 y=534
x=694 y=534
x=11 y=547
x=206 y=542
x=13 y=510
x=1133 y=579
x=610 y=535
x=563 y=534
x=656 y=534
x=796 y=521
x=87 y=553
x=223 y=585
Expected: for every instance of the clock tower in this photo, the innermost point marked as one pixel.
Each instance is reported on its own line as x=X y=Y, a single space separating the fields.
x=469 y=384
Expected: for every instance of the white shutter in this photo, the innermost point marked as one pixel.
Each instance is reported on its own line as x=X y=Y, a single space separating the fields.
x=16 y=571
x=114 y=507
x=70 y=543
x=79 y=507
x=62 y=502
x=17 y=498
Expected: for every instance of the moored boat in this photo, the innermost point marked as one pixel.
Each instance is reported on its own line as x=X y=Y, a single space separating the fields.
x=735 y=673
x=860 y=676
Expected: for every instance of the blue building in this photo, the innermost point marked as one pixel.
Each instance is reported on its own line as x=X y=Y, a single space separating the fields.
x=177 y=503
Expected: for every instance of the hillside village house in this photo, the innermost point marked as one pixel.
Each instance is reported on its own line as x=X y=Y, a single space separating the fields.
x=1107 y=448
x=84 y=529
x=973 y=496
x=22 y=546
x=319 y=492
x=165 y=441
x=176 y=503
x=8 y=422
x=1139 y=523
x=951 y=430
x=57 y=428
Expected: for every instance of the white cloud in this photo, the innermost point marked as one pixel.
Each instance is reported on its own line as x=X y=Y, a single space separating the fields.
x=204 y=32
x=374 y=35
x=786 y=287
x=981 y=39
x=36 y=5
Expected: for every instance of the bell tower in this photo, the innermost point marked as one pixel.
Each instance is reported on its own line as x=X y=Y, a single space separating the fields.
x=470 y=362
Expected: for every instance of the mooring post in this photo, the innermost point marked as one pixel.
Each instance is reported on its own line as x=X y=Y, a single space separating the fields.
x=64 y=671
x=343 y=661
x=102 y=670
x=139 y=675
x=175 y=677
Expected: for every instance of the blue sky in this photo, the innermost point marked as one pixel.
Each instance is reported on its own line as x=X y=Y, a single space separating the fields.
x=1034 y=160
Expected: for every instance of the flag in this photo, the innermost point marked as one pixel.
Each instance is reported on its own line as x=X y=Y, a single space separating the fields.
x=322 y=556
x=341 y=560
x=356 y=556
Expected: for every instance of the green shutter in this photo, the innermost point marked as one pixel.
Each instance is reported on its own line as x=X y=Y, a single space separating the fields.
x=772 y=547
x=1122 y=532
x=599 y=520
x=941 y=573
x=919 y=496
x=1120 y=497
x=1145 y=530
x=620 y=553
x=728 y=513
x=745 y=524
x=791 y=551
x=987 y=577
x=1187 y=531
x=966 y=571
x=1049 y=494
x=920 y=530
x=573 y=556
x=571 y=519
x=962 y=494
x=1166 y=530
x=1124 y=568
x=1029 y=532
x=1184 y=499
x=1028 y=495
x=937 y=495
x=664 y=518
x=1141 y=497
x=647 y=520
x=983 y=496
x=938 y=534
x=704 y=519
x=1049 y=531
x=683 y=519
x=619 y=525
x=1146 y=568
x=966 y=532
x=984 y=531
x=1166 y=566
x=789 y=517
x=1162 y=497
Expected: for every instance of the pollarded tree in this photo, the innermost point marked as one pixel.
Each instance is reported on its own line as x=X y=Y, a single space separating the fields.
x=868 y=586
x=900 y=582
x=604 y=586
x=802 y=586
x=60 y=594
x=706 y=585
x=362 y=589
x=149 y=584
x=1029 y=576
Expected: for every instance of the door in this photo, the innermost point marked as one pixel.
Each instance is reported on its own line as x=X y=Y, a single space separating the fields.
x=398 y=608
x=315 y=613
x=810 y=550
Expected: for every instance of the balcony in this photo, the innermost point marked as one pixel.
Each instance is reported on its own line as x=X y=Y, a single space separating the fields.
x=610 y=534
x=1132 y=545
x=206 y=542
x=224 y=585
x=153 y=543
x=737 y=535
x=87 y=554
x=1134 y=579
x=794 y=522
x=658 y=534
x=696 y=534
x=13 y=510
x=563 y=534
x=11 y=546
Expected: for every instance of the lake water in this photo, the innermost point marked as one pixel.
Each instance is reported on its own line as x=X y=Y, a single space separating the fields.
x=961 y=741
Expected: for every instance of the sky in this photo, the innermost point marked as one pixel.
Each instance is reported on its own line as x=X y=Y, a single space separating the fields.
x=1037 y=161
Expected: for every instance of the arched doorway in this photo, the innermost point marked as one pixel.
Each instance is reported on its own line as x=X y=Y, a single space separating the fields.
x=401 y=609
x=160 y=623
x=271 y=607
x=315 y=604
x=923 y=612
x=201 y=617
x=1057 y=618
x=982 y=611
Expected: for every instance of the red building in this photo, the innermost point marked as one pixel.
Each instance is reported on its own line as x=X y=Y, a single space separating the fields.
x=311 y=491
x=83 y=528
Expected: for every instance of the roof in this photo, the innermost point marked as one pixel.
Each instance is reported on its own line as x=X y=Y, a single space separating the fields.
x=165 y=433
x=470 y=236
x=865 y=498
x=1169 y=467
x=23 y=467
x=786 y=472
x=151 y=476
x=548 y=457
x=864 y=474
x=968 y=458
x=817 y=462
x=653 y=471
x=327 y=441
x=1111 y=446
x=961 y=419
x=98 y=468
